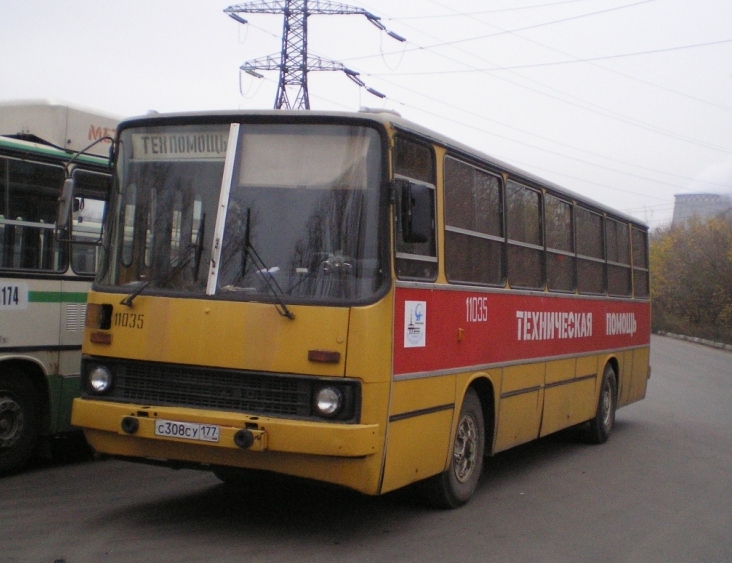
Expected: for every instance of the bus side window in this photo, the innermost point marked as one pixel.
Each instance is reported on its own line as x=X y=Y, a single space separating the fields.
x=617 y=241
x=3 y=210
x=525 y=239
x=590 y=253
x=29 y=191
x=473 y=225
x=560 y=260
x=416 y=163
x=639 y=241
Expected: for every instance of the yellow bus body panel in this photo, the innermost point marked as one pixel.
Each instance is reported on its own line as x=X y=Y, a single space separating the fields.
x=421 y=415
x=640 y=374
x=520 y=405
x=225 y=334
x=252 y=337
x=569 y=396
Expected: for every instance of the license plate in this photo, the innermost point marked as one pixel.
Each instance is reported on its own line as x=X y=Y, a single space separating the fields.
x=187 y=430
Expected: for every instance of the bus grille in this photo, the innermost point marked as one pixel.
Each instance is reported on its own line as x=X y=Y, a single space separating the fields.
x=187 y=386
x=215 y=390
x=250 y=392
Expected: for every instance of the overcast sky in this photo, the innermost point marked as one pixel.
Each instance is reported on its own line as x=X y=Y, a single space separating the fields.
x=626 y=101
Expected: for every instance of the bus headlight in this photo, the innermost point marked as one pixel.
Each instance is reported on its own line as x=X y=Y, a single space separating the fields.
x=329 y=401
x=100 y=379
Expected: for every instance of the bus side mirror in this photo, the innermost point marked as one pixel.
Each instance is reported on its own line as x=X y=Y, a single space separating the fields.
x=65 y=203
x=416 y=211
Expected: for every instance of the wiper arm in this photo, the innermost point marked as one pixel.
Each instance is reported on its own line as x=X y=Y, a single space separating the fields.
x=263 y=271
x=127 y=301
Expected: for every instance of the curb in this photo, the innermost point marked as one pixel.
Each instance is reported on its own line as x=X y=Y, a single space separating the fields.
x=696 y=340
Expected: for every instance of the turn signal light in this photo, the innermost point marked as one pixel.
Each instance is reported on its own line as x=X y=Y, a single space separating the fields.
x=324 y=356
x=100 y=338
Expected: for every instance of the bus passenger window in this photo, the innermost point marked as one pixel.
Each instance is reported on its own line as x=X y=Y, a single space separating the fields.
x=640 y=262
x=590 y=253
x=617 y=240
x=560 y=270
x=473 y=225
x=30 y=193
x=4 y=251
x=525 y=244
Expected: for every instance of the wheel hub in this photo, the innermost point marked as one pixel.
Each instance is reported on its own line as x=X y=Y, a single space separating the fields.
x=466 y=447
x=11 y=422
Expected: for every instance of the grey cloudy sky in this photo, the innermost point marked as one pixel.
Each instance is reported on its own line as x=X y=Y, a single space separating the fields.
x=626 y=101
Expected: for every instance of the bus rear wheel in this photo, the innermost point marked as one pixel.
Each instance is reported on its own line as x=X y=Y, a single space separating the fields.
x=19 y=423
x=602 y=424
x=455 y=487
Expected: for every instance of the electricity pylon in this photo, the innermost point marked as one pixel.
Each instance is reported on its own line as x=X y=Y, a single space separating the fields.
x=294 y=62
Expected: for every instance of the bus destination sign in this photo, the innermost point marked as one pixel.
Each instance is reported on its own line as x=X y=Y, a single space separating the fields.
x=179 y=146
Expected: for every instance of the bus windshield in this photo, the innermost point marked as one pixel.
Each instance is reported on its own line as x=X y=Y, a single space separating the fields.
x=297 y=217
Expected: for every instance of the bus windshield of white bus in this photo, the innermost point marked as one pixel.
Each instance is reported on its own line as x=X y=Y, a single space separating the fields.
x=300 y=220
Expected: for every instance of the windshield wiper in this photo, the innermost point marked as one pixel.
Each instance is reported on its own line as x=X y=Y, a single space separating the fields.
x=127 y=301
x=263 y=271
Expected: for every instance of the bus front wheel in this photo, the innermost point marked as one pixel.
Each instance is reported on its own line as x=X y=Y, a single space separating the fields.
x=455 y=487
x=602 y=424
x=19 y=421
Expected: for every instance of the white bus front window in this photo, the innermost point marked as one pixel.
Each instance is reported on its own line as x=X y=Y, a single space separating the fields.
x=92 y=192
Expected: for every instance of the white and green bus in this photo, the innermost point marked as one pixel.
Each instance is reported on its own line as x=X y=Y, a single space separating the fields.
x=45 y=272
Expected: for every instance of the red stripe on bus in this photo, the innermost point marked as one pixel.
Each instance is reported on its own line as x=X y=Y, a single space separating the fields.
x=464 y=328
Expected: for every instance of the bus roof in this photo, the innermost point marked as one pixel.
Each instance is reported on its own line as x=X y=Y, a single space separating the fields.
x=387 y=118
x=67 y=127
x=20 y=148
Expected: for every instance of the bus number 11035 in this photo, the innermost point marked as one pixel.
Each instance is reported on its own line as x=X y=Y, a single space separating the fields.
x=477 y=309
x=128 y=320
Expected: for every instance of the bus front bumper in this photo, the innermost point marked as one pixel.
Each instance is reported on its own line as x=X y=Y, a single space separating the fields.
x=127 y=429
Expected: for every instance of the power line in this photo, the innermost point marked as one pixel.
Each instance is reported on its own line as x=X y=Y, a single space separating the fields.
x=512 y=31
x=572 y=61
x=486 y=12
x=496 y=68
x=494 y=134
x=583 y=105
x=601 y=111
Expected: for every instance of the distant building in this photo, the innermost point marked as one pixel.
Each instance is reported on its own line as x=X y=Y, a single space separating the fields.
x=701 y=205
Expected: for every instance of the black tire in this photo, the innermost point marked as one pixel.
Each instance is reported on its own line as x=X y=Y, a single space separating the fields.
x=456 y=486
x=602 y=424
x=19 y=421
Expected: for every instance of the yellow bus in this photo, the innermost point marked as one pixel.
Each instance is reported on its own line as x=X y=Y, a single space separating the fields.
x=351 y=298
